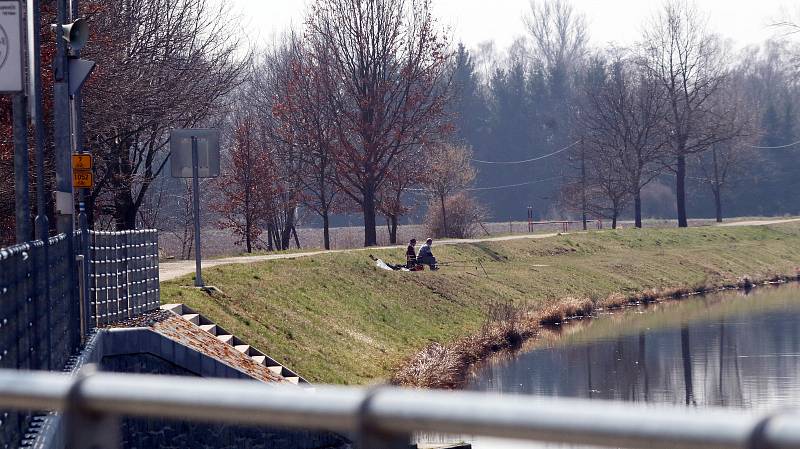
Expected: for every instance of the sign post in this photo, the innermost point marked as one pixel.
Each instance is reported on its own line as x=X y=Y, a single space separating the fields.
x=195 y=153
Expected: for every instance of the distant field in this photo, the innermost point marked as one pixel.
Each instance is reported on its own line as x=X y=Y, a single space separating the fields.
x=218 y=243
x=335 y=318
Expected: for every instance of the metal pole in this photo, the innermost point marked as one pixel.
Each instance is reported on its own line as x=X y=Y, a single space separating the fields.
x=21 y=178
x=76 y=109
x=34 y=52
x=198 y=278
x=583 y=184
x=62 y=128
x=42 y=222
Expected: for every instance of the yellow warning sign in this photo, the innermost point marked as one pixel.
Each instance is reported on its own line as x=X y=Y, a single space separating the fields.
x=81 y=161
x=82 y=179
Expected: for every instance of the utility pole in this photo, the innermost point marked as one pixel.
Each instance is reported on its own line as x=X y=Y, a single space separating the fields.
x=583 y=184
x=21 y=166
x=62 y=127
x=717 y=187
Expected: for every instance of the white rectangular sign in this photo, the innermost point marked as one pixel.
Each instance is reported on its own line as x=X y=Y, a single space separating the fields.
x=10 y=46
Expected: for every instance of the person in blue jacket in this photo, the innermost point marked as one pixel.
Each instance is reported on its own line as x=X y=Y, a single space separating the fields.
x=425 y=255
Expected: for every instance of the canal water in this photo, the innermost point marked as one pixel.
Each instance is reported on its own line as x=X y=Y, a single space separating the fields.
x=727 y=349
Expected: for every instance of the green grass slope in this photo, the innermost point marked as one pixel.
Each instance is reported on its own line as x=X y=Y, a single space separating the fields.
x=335 y=318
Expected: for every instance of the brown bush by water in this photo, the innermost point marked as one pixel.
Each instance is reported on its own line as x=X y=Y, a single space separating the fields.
x=507 y=326
x=439 y=366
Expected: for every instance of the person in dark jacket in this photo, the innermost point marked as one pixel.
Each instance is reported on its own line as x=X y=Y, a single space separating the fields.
x=411 y=254
x=425 y=256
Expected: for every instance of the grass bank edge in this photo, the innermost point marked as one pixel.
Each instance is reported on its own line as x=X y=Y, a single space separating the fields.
x=336 y=319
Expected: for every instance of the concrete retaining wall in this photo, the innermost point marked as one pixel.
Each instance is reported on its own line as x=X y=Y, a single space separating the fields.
x=141 y=350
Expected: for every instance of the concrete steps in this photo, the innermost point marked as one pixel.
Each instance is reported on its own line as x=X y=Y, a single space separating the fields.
x=226 y=337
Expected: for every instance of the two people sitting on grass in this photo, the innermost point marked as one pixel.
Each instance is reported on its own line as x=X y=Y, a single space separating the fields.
x=425 y=256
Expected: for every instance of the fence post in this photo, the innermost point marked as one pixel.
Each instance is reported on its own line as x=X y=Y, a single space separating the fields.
x=369 y=435
x=86 y=267
x=80 y=260
x=86 y=430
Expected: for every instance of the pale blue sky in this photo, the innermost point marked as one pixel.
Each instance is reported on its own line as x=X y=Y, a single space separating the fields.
x=476 y=21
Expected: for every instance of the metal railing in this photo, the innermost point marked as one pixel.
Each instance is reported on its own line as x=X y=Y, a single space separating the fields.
x=384 y=417
x=123 y=274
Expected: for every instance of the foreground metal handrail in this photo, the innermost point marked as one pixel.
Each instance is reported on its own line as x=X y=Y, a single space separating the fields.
x=386 y=417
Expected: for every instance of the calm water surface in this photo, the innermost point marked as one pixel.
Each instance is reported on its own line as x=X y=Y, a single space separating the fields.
x=721 y=350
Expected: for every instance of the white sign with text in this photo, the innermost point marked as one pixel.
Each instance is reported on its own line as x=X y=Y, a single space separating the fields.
x=10 y=46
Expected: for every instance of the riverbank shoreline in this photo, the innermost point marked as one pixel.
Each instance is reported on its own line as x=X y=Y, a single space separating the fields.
x=448 y=366
x=336 y=318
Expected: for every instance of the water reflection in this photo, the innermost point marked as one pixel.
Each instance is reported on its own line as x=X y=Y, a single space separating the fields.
x=728 y=349
x=732 y=356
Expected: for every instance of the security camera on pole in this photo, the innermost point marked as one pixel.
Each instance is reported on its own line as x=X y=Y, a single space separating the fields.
x=69 y=75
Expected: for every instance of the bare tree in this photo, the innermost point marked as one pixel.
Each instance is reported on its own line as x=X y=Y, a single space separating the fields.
x=246 y=186
x=465 y=217
x=559 y=33
x=687 y=62
x=449 y=171
x=408 y=173
x=161 y=64
x=307 y=126
x=606 y=190
x=727 y=162
x=622 y=118
x=270 y=85
x=386 y=72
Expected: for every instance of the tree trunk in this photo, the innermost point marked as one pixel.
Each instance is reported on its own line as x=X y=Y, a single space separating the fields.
x=296 y=239
x=444 y=217
x=270 y=247
x=248 y=242
x=124 y=212
x=614 y=221
x=393 y=229
x=368 y=207
x=276 y=237
x=718 y=204
x=680 y=191
x=326 y=230
x=286 y=235
x=637 y=206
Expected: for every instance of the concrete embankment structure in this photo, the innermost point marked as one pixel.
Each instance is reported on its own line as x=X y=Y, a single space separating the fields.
x=166 y=343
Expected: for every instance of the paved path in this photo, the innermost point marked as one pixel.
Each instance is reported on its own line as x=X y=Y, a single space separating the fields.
x=172 y=270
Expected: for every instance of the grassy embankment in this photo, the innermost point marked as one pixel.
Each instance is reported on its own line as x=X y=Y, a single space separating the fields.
x=335 y=318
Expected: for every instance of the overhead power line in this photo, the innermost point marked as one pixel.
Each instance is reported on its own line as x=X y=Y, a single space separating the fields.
x=473 y=189
x=513 y=185
x=778 y=147
x=527 y=160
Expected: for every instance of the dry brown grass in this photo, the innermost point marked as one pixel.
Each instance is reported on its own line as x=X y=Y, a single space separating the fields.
x=507 y=327
x=445 y=366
